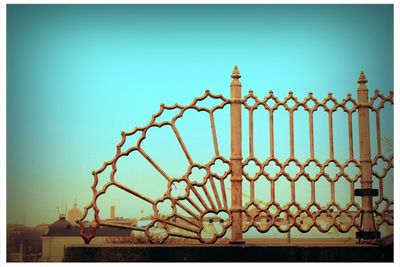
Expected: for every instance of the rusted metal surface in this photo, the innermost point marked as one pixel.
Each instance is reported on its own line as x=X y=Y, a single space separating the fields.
x=383 y=206
x=330 y=214
x=206 y=201
x=367 y=218
x=236 y=157
x=167 y=225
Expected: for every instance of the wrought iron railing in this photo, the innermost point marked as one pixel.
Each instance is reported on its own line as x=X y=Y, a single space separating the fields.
x=196 y=204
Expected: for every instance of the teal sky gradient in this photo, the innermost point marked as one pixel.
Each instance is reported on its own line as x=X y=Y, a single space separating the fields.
x=77 y=75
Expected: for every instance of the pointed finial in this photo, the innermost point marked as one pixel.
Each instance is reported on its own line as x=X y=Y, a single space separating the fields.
x=362 y=79
x=236 y=73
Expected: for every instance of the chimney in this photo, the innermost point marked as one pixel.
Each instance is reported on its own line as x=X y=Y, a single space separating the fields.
x=112 y=212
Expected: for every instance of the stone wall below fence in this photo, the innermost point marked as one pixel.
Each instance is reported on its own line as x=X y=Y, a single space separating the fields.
x=229 y=253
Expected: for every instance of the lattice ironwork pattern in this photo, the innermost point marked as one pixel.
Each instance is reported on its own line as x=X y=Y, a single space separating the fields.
x=196 y=205
x=383 y=206
x=183 y=213
x=263 y=216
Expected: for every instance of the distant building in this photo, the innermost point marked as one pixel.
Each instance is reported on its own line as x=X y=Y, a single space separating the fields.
x=62 y=233
x=16 y=256
x=24 y=243
x=74 y=214
x=112 y=212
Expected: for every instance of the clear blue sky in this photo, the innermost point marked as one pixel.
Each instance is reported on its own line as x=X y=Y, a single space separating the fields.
x=77 y=75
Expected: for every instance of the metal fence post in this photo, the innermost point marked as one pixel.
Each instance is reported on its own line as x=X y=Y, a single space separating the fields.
x=236 y=157
x=366 y=191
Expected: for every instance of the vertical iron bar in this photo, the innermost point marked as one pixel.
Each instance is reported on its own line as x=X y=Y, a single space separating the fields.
x=271 y=133
x=378 y=132
x=291 y=132
x=365 y=152
x=251 y=138
x=252 y=191
x=331 y=151
x=311 y=128
x=236 y=157
x=350 y=123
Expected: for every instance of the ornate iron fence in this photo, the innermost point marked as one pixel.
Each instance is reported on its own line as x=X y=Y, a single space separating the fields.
x=195 y=205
